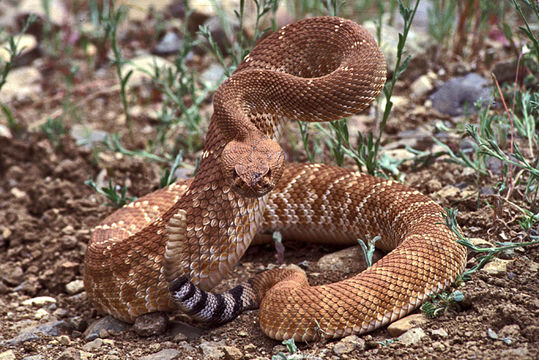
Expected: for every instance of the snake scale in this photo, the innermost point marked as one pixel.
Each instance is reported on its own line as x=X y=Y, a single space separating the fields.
x=168 y=249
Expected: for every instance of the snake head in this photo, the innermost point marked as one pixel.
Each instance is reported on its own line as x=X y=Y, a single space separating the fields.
x=252 y=167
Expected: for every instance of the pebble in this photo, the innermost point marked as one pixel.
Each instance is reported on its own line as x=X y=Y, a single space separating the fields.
x=349 y=344
x=422 y=85
x=211 y=349
x=141 y=66
x=34 y=357
x=438 y=346
x=457 y=96
x=27 y=45
x=165 y=354
x=349 y=260
x=70 y=354
x=52 y=328
x=232 y=353
x=108 y=323
x=7 y=355
x=401 y=326
x=151 y=324
x=439 y=333
x=40 y=314
x=22 y=85
x=169 y=44
x=412 y=336
x=492 y=334
x=74 y=287
x=39 y=301
x=496 y=266
x=11 y=274
x=93 y=345
x=5 y=132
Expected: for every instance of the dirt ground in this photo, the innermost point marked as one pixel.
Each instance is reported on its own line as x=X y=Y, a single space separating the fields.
x=47 y=215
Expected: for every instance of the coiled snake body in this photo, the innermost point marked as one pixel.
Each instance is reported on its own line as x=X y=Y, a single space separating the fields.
x=168 y=249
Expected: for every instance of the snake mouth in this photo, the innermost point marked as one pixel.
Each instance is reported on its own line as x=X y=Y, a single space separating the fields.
x=259 y=184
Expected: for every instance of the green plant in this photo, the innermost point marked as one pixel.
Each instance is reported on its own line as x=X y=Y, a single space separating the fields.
x=168 y=175
x=293 y=352
x=441 y=302
x=241 y=44
x=368 y=249
x=366 y=155
x=451 y=222
x=54 y=129
x=116 y=195
x=5 y=67
x=441 y=16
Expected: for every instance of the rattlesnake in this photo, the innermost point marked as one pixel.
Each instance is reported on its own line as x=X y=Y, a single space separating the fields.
x=167 y=249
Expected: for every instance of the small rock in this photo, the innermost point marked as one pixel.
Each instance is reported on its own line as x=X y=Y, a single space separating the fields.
x=74 y=287
x=22 y=85
x=40 y=314
x=458 y=95
x=412 y=336
x=39 y=301
x=213 y=75
x=5 y=132
x=11 y=274
x=496 y=266
x=250 y=348
x=492 y=334
x=232 y=353
x=401 y=326
x=165 y=354
x=439 y=333
x=438 y=346
x=349 y=260
x=78 y=323
x=52 y=328
x=151 y=324
x=170 y=44
x=481 y=242
x=142 y=67
x=7 y=355
x=27 y=47
x=422 y=85
x=86 y=136
x=109 y=323
x=510 y=331
x=57 y=12
x=64 y=340
x=349 y=344
x=70 y=354
x=211 y=349
x=34 y=357
x=93 y=345
x=181 y=331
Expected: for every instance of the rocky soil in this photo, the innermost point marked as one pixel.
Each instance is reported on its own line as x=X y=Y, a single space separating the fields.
x=47 y=215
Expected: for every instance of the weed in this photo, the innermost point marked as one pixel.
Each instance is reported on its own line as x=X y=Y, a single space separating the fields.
x=241 y=44
x=168 y=175
x=54 y=129
x=441 y=302
x=114 y=193
x=441 y=16
x=293 y=352
x=366 y=155
x=14 y=51
x=368 y=249
x=451 y=222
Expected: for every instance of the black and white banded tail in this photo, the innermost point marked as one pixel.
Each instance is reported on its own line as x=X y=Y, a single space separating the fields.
x=212 y=308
